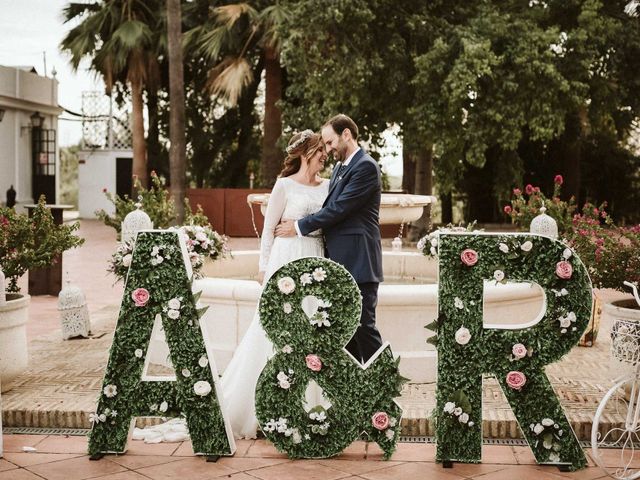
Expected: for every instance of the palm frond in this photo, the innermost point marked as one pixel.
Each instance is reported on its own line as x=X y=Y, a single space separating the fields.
x=132 y=34
x=271 y=19
x=229 y=78
x=74 y=10
x=228 y=15
x=212 y=42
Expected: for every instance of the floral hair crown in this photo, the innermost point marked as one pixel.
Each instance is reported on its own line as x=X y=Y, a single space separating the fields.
x=304 y=136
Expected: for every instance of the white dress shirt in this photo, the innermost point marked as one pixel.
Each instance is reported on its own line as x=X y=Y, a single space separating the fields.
x=345 y=164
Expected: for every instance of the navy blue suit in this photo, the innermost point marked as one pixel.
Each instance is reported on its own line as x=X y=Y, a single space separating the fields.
x=349 y=219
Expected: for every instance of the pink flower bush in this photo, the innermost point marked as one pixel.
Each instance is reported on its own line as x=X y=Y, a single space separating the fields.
x=564 y=270
x=140 y=297
x=516 y=380
x=380 y=420
x=469 y=257
x=519 y=351
x=313 y=362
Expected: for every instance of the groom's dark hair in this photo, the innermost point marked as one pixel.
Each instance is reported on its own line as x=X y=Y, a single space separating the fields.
x=340 y=123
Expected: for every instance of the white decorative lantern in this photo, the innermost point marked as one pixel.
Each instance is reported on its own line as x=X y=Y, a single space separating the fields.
x=545 y=225
x=73 y=312
x=134 y=222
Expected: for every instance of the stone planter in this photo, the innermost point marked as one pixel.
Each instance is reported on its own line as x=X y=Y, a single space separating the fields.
x=14 y=357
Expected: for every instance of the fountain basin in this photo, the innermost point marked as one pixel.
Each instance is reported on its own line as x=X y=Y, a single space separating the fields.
x=394 y=208
x=407 y=301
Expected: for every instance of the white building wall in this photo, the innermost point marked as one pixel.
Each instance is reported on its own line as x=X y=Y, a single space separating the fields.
x=22 y=93
x=97 y=171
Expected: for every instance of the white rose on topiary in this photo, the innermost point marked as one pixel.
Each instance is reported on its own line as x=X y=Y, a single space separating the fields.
x=463 y=336
x=286 y=285
x=202 y=388
x=126 y=260
x=174 y=304
x=463 y=418
x=498 y=275
x=526 y=246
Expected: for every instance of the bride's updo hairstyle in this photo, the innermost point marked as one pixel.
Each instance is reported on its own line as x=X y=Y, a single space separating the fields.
x=302 y=144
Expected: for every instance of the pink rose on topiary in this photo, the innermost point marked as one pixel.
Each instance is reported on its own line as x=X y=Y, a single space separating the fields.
x=564 y=270
x=529 y=189
x=380 y=420
x=508 y=209
x=516 y=380
x=558 y=180
x=140 y=297
x=517 y=192
x=469 y=257
x=519 y=351
x=313 y=362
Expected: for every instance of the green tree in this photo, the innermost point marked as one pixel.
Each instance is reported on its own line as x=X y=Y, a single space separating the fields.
x=116 y=37
x=237 y=38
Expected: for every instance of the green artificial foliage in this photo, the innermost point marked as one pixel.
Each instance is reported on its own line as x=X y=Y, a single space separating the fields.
x=159 y=289
x=310 y=308
x=516 y=357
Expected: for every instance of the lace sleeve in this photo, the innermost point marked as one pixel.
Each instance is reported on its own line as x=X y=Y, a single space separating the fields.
x=275 y=208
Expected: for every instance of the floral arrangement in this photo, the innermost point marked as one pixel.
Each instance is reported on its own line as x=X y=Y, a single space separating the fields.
x=202 y=242
x=526 y=204
x=467 y=350
x=428 y=244
x=309 y=309
x=32 y=242
x=155 y=201
x=610 y=252
x=159 y=288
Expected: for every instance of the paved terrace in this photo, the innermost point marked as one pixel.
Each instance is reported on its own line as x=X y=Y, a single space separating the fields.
x=60 y=388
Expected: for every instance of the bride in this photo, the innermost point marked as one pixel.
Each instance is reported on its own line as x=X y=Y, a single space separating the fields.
x=298 y=192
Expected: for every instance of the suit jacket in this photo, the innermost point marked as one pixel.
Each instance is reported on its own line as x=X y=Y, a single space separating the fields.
x=349 y=219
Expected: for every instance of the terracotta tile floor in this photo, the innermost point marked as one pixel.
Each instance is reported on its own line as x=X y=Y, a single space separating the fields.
x=63 y=458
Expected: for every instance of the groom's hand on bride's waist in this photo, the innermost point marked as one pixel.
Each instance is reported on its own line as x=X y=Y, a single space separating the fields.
x=286 y=228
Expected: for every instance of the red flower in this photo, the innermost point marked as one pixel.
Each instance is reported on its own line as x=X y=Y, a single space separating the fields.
x=313 y=362
x=508 y=209
x=104 y=189
x=380 y=420
x=140 y=297
x=564 y=270
x=558 y=180
x=469 y=257
x=528 y=189
x=516 y=380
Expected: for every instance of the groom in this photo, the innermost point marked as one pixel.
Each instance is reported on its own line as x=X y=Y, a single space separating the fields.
x=349 y=220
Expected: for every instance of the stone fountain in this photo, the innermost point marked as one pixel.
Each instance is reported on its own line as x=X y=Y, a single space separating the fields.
x=407 y=301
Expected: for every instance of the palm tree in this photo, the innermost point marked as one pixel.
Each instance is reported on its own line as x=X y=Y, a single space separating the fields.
x=177 y=151
x=239 y=31
x=116 y=36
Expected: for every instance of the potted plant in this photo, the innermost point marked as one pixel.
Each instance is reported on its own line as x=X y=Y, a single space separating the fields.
x=25 y=242
x=611 y=253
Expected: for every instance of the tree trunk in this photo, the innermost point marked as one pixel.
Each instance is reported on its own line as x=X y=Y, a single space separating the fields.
x=446 y=201
x=424 y=185
x=137 y=134
x=177 y=150
x=271 y=161
x=153 y=134
x=408 y=170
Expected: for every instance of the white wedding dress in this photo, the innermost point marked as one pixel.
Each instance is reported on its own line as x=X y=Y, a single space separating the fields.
x=289 y=200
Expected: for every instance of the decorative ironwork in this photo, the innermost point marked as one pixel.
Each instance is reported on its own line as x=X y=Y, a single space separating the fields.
x=105 y=124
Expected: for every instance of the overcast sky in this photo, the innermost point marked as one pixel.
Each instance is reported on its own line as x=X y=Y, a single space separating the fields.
x=31 y=27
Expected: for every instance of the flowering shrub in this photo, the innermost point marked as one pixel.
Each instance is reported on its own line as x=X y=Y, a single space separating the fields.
x=156 y=202
x=202 y=242
x=611 y=253
x=526 y=205
x=35 y=242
